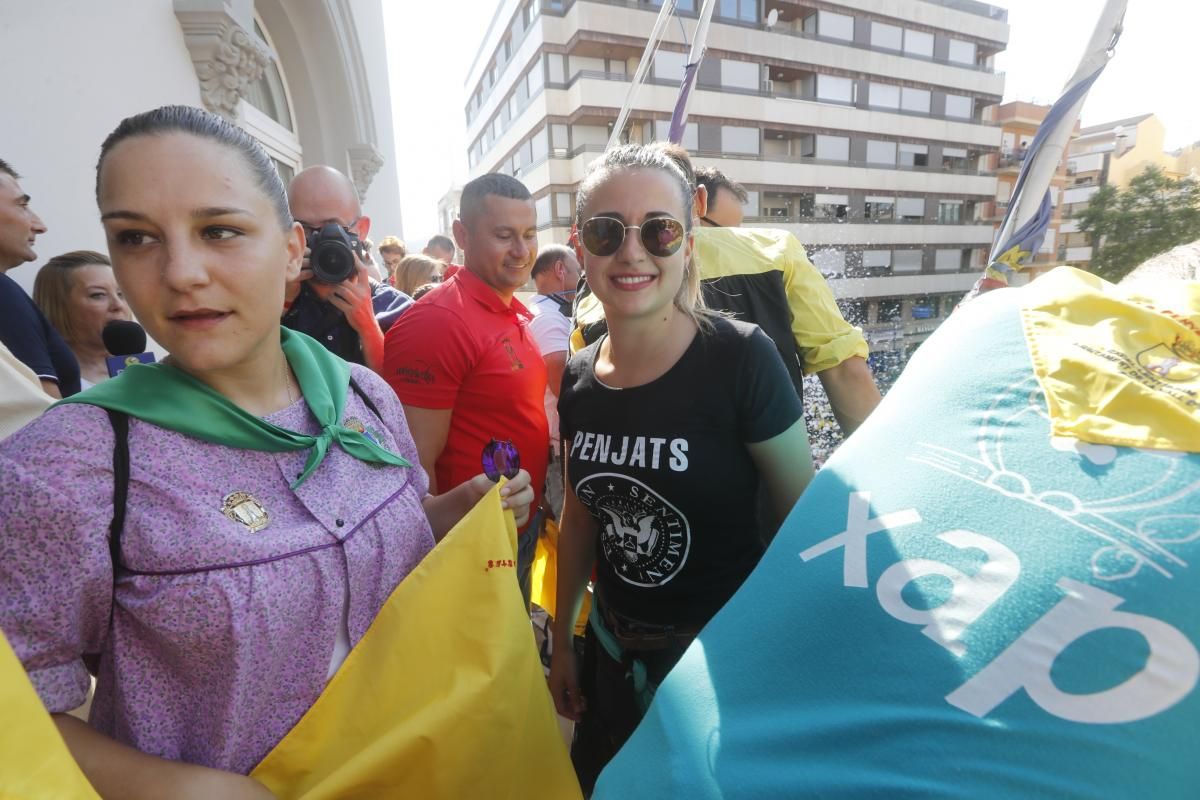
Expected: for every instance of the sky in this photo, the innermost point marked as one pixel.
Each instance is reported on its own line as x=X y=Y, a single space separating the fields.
x=431 y=46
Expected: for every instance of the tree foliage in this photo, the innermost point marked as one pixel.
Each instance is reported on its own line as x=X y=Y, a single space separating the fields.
x=1127 y=227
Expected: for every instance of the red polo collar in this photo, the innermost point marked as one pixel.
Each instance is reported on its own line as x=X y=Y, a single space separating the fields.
x=474 y=287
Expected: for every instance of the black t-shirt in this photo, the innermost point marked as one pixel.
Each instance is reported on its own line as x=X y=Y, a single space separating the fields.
x=30 y=337
x=665 y=471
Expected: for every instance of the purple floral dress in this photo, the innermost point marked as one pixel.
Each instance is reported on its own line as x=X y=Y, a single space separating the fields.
x=214 y=638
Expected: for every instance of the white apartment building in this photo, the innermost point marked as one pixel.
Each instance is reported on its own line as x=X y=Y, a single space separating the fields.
x=857 y=125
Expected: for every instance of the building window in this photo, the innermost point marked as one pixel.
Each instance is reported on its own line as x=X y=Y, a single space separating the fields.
x=750 y=207
x=951 y=260
x=542 y=207
x=924 y=308
x=831 y=206
x=911 y=208
x=267 y=113
x=736 y=139
x=914 y=155
x=950 y=211
x=741 y=10
x=915 y=100
x=880 y=208
x=691 y=134
x=668 y=66
x=536 y=78
x=883 y=95
x=559 y=139
x=830 y=262
x=918 y=43
x=961 y=52
x=853 y=311
x=776 y=206
x=540 y=144
x=835 y=26
x=564 y=206
x=876 y=259
x=959 y=106
x=598 y=65
x=889 y=37
x=833 y=148
x=557 y=67
x=830 y=87
x=595 y=135
x=888 y=311
x=881 y=152
x=906 y=261
x=739 y=74
x=954 y=159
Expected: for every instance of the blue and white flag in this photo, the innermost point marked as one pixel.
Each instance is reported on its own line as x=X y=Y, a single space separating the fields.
x=1030 y=210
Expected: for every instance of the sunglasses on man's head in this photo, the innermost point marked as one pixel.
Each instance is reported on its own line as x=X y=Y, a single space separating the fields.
x=660 y=236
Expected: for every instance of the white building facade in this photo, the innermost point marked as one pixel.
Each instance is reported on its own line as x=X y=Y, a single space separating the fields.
x=857 y=125
x=308 y=78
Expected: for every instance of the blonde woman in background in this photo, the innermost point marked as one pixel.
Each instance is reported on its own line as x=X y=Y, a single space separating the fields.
x=79 y=295
x=415 y=271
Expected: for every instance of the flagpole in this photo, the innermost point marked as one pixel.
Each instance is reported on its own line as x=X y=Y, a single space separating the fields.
x=1030 y=209
x=1042 y=171
x=695 y=56
x=639 y=76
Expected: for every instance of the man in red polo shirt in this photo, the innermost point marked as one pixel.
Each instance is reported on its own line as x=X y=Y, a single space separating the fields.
x=463 y=362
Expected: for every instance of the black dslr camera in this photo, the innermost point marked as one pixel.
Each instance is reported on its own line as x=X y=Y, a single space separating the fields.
x=331 y=253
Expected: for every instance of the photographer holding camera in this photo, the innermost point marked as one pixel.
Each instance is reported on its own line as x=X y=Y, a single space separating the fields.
x=334 y=299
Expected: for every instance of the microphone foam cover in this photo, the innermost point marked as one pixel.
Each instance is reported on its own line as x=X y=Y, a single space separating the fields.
x=124 y=337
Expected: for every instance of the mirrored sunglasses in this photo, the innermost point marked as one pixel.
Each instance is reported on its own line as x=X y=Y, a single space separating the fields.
x=661 y=236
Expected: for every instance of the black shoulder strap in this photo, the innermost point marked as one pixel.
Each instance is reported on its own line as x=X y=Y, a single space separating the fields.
x=358 y=390
x=120 y=426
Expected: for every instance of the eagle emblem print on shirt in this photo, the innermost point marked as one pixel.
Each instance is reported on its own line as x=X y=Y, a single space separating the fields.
x=643 y=537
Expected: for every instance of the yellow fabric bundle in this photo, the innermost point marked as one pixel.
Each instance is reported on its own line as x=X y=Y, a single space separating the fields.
x=34 y=761
x=444 y=697
x=1136 y=384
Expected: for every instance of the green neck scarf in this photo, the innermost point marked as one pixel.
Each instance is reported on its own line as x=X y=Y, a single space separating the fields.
x=168 y=397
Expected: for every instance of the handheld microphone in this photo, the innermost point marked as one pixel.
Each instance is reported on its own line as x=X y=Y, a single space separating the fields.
x=126 y=340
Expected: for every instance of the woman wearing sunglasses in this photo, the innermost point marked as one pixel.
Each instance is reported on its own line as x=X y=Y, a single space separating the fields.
x=671 y=423
x=211 y=535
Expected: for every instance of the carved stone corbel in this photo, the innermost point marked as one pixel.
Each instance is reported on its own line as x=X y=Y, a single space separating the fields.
x=227 y=57
x=365 y=163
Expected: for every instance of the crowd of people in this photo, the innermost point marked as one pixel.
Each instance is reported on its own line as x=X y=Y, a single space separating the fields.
x=662 y=398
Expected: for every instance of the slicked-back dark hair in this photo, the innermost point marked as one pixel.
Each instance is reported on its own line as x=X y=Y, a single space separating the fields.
x=494 y=184
x=713 y=179
x=549 y=255
x=8 y=170
x=205 y=125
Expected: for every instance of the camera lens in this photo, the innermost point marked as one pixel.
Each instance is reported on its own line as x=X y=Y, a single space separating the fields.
x=331 y=256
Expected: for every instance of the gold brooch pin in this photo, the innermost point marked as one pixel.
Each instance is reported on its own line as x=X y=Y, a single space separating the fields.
x=242 y=507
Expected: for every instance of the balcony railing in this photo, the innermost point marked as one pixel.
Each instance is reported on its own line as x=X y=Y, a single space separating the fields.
x=973 y=7
x=564 y=154
x=777 y=94
x=783 y=30
x=850 y=219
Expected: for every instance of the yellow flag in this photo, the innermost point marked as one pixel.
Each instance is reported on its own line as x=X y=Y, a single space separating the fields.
x=1136 y=384
x=34 y=761
x=444 y=697
x=544 y=578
